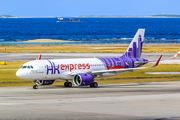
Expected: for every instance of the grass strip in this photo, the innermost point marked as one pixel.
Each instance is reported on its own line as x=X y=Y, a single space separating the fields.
x=87 y=49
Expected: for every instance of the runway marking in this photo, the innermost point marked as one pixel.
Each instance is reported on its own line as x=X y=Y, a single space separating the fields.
x=20 y=104
x=164 y=73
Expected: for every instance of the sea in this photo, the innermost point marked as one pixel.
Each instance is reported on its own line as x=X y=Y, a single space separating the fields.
x=90 y=30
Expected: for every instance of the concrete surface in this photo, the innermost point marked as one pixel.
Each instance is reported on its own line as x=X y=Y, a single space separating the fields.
x=28 y=56
x=156 y=100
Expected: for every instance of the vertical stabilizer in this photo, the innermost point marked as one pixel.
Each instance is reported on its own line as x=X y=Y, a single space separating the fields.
x=135 y=47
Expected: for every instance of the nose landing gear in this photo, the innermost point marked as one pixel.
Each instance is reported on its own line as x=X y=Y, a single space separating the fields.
x=35 y=86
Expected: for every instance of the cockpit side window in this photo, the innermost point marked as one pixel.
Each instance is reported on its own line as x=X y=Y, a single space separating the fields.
x=29 y=67
x=24 y=66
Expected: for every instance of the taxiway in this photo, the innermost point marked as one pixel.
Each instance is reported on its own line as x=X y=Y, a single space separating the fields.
x=28 y=56
x=156 y=100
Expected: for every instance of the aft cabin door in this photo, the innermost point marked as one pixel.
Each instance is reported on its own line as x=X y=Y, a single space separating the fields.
x=41 y=67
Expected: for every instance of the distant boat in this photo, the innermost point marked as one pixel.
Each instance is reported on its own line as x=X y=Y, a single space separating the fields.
x=70 y=20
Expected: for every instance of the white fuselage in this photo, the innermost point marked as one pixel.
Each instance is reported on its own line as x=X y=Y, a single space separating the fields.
x=59 y=68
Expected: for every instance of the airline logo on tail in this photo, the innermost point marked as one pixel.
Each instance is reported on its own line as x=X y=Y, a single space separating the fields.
x=135 y=47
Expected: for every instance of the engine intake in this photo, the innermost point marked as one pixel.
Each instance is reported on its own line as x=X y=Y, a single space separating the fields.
x=83 y=79
x=44 y=82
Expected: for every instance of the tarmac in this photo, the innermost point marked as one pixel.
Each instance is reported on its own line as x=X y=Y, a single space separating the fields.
x=140 y=101
x=166 y=58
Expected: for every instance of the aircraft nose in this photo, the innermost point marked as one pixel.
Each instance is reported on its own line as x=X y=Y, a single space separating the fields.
x=19 y=74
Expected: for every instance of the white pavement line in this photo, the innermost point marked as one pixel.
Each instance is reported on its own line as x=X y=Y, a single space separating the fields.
x=170 y=73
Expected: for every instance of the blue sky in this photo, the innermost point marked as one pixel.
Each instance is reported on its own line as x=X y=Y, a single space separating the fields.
x=67 y=8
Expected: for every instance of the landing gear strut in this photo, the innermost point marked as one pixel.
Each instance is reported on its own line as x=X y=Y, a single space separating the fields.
x=67 y=84
x=94 y=85
x=35 y=86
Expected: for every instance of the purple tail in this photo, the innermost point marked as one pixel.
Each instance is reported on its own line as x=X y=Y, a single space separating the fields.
x=135 y=47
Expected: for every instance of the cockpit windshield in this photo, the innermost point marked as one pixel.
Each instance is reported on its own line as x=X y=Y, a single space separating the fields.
x=27 y=67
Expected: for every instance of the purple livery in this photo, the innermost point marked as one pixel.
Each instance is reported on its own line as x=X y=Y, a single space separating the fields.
x=132 y=55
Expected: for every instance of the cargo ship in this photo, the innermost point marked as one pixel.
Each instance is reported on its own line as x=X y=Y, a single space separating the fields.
x=70 y=20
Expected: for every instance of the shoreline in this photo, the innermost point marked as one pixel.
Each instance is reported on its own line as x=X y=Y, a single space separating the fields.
x=42 y=42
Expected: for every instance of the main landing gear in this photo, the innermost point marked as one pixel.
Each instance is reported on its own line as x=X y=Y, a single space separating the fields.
x=67 y=84
x=94 y=85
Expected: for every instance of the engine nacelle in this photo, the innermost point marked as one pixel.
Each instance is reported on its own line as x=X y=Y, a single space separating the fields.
x=83 y=79
x=44 y=82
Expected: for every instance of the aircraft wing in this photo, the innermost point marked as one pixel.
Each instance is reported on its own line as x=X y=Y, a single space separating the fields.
x=126 y=69
x=116 y=70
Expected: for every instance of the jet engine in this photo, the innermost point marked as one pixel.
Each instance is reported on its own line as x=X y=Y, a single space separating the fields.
x=83 y=79
x=44 y=82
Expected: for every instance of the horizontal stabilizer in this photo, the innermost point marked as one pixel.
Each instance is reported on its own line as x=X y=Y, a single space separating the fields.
x=137 y=63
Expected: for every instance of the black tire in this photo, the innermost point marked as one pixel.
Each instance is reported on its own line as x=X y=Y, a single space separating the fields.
x=91 y=85
x=66 y=84
x=95 y=84
x=69 y=84
x=35 y=87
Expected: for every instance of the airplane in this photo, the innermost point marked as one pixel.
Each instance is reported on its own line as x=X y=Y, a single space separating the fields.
x=176 y=55
x=83 y=71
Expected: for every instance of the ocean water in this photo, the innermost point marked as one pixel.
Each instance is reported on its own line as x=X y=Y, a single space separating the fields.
x=90 y=30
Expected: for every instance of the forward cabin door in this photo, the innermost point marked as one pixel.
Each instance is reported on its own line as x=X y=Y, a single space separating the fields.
x=41 y=67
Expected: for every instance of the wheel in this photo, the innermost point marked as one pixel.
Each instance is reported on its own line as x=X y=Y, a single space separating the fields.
x=69 y=84
x=95 y=84
x=35 y=87
x=66 y=84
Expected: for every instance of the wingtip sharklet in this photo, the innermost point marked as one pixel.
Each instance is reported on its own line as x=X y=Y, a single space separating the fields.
x=157 y=63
